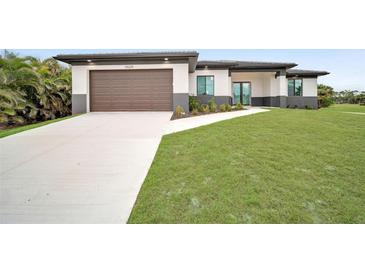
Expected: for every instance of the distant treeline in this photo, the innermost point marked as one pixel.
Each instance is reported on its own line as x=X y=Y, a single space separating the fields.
x=327 y=96
x=349 y=97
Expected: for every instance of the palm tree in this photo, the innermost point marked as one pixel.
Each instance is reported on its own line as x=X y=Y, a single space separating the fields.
x=55 y=95
x=15 y=78
x=33 y=90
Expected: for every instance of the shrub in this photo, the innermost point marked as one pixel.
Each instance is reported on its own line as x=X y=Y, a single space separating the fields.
x=193 y=103
x=222 y=108
x=32 y=90
x=324 y=102
x=204 y=108
x=228 y=107
x=179 y=111
x=194 y=112
x=324 y=95
x=212 y=105
x=239 y=106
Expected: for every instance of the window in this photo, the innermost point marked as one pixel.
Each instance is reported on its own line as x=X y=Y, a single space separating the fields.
x=205 y=85
x=295 y=87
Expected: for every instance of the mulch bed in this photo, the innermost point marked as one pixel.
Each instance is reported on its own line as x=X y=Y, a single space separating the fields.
x=189 y=114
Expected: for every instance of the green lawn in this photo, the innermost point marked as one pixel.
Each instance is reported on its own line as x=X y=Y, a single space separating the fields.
x=282 y=166
x=15 y=130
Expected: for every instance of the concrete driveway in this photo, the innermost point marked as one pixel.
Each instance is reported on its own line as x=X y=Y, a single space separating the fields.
x=87 y=169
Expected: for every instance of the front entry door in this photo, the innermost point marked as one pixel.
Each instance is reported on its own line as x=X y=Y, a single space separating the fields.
x=242 y=93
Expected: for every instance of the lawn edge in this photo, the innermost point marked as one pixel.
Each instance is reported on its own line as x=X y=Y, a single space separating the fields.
x=12 y=131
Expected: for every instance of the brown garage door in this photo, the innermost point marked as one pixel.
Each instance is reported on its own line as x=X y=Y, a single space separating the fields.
x=119 y=90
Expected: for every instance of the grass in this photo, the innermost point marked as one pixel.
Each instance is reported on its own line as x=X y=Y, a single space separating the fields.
x=15 y=130
x=282 y=166
x=347 y=108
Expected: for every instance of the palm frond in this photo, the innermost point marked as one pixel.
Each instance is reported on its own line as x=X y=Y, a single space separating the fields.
x=33 y=89
x=17 y=120
x=8 y=111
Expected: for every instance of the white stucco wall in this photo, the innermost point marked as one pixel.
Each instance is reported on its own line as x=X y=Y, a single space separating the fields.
x=263 y=84
x=230 y=85
x=80 y=76
x=274 y=86
x=309 y=86
x=222 y=83
x=283 y=86
x=79 y=80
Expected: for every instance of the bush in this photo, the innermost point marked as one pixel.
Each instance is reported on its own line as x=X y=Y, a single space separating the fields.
x=204 y=108
x=324 y=95
x=32 y=90
x=324 y=102
x=228 y=107
x=194 y=112
x=179 y=111
x=239 y=106
x=212 y=105
x=193 y=103
x=222 y=108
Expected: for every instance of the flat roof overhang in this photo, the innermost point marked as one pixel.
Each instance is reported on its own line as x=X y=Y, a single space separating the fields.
x=306 y=73
x=190 y=57
x=245 y=66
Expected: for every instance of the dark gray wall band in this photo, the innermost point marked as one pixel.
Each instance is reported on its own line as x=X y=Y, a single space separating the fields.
x=257 y=101
x=223 y=100
x=286 y=101
x=219 y=100
x=282 y=101
x=302 y=102
x=269 y=101
x=181 y=99
x=79 y=103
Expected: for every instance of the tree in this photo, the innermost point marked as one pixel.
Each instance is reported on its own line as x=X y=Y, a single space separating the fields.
x=325 y=94
x=33 y=90
x=349 y=97
x=15 y=78
x=55 y=94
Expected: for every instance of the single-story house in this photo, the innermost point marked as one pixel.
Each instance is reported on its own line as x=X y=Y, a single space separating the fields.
x=160 y=81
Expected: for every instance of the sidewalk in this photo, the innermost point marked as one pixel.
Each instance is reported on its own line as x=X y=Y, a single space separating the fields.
x=193 y=122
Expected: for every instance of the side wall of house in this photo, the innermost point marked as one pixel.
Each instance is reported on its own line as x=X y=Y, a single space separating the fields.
x=81 y=89
x=309 y=98
x=310 y=87
x=222 y=86
x=268 y=90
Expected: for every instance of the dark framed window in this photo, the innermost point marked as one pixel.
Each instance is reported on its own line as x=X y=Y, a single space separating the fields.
x=295 y=87
x=205 y=85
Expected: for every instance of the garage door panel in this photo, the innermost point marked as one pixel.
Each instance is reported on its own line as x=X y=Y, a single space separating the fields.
x=118 y=90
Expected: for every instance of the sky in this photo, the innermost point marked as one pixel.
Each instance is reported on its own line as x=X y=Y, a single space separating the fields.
x=346 y=67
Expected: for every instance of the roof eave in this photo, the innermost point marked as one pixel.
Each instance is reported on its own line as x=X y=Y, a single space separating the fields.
x=307 y=74
x=85 y=59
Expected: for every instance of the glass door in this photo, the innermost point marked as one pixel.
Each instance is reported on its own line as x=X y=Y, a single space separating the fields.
x=242 y=93
x=236 y=93
x=246 y=93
